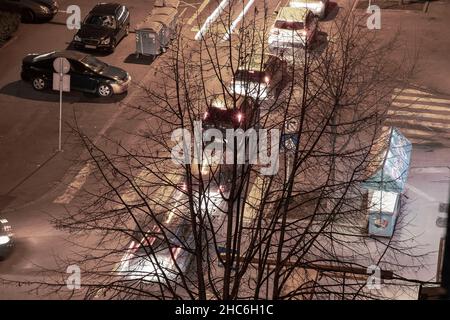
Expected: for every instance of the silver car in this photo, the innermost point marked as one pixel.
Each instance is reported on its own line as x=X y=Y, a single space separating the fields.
x=157 y=259
x=6 y=238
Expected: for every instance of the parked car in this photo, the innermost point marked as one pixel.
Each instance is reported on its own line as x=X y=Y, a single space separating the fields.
x=6 y=238
x=259 y=76
x=317 y=7
x=87 y=73
x=156 y=257
x=31 y=10
x=103 y=28
x=294 y=29
x=225 y=114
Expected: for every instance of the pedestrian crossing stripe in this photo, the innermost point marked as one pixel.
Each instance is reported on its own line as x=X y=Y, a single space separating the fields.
x=411 y=105
x=421 y=116
x=422 y=99
x=413 y=91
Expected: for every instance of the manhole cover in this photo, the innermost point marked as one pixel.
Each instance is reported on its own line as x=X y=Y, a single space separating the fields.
x=441 y=222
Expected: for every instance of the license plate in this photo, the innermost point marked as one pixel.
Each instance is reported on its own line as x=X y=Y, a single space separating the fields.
x=88 y=46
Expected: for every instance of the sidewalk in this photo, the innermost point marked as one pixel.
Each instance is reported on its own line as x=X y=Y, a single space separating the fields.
x=425 y=33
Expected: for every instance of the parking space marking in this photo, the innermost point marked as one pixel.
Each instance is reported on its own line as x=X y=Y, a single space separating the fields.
x=199 y=10
x=238 y=19
x=182 y=13
x=75 y=185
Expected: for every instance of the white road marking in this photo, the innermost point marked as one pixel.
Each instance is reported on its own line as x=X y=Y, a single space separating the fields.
x=182 y=12
x=413 y=91
x=411 y=105
x=75 y=185
x=421 y=115
x=420 y=99
x=238 y=19
x=200 y=9
x=213 y=17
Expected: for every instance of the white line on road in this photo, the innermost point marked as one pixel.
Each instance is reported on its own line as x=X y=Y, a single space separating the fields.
x=182 y=12
x=213 y=17
x=75 y=185
x=200 y=9
x=238 y=19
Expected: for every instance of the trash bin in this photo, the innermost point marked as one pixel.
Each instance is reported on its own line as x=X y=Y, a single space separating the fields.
x=154 y=34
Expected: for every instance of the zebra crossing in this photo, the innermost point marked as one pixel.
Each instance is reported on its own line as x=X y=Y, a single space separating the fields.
x=422 y=116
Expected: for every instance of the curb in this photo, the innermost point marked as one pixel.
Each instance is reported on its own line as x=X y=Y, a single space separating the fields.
x=8 y=42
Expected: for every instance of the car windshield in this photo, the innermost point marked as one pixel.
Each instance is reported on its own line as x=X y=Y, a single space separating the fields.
x=294 y=25
x=250 y=76
x=101 y=21
x=93 y=63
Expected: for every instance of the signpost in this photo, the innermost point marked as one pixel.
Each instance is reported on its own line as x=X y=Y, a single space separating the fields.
x=61 y=82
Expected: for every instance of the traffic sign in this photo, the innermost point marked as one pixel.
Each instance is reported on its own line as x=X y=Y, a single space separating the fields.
x=58 y=81
x=289 y=141
x=61 y=82
x=291 y=125
x=61 y=65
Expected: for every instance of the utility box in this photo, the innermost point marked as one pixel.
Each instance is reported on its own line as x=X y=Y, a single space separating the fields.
x=383 y=210
x=154 y=34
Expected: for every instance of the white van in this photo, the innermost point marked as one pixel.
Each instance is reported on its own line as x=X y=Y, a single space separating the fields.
x=293 y=28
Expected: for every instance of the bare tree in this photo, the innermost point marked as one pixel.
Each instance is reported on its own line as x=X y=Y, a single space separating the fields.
x=151 y=227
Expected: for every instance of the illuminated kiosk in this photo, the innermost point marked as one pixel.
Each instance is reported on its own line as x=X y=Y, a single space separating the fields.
x=386 y=183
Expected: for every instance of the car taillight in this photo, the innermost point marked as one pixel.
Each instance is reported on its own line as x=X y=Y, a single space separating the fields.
x=266 y=79
x=175 y=252
x=239 y=116
x=133 y=246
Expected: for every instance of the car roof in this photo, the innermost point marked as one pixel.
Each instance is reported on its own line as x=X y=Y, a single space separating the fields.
x=105 y=8
x=69 y=54
x=292 y=14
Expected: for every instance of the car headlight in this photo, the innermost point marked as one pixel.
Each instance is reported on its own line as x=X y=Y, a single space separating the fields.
x=106 y=41
x=76 y=38
x=4 y=239
x=45 y=9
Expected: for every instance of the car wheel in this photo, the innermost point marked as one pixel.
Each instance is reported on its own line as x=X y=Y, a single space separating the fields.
x=39 y=83
x=104 y=90
x=28 y=16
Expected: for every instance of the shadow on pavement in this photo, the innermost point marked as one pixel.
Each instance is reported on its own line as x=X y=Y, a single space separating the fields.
x=145 y=60
x=332 y=11
x=24 y=90
x=320 y=43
